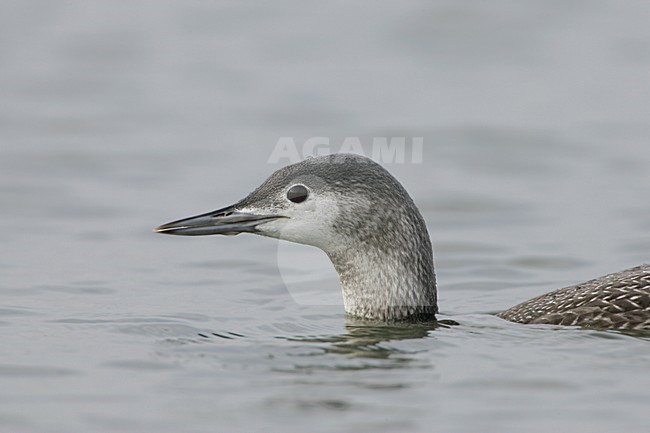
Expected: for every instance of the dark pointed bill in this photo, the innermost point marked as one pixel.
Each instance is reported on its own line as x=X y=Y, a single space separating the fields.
x=226 y=221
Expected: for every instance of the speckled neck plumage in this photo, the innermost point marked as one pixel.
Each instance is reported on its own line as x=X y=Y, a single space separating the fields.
x=383 y=256
x=389 y=275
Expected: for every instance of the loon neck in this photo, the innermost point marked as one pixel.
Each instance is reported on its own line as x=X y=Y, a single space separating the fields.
x=389 y=280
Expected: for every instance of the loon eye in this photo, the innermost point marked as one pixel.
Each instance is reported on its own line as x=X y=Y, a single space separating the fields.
x=297 y=193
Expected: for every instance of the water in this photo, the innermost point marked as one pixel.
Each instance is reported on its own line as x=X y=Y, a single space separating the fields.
x=118 y=117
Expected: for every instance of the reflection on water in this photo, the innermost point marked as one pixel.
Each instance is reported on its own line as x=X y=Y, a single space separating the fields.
x=370 y=340
x=365 y=345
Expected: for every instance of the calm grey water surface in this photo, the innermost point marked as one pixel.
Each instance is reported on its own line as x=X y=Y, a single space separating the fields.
x=119 y=116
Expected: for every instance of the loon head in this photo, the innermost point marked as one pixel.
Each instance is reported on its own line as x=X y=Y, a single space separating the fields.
x=358 y=214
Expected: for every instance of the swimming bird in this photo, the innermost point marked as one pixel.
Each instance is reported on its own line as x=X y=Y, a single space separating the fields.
x=364 y=220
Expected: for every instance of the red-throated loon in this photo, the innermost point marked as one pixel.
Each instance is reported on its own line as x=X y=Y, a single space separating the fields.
x=365 y=221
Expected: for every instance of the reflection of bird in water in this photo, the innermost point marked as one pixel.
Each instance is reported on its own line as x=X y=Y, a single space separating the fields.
x=371 y=340
x=365 y=221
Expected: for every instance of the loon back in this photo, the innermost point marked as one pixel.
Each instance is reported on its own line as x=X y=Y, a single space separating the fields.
x=616 y=301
